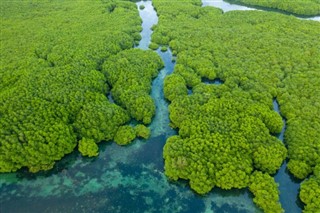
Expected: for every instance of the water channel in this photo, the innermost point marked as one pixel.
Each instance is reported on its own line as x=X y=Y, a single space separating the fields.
x=130 y=179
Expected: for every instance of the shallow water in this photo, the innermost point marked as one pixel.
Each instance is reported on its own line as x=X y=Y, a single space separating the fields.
x=150 y=19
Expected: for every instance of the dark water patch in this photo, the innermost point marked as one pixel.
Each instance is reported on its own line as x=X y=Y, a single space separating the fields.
x=233 y=192
x=226 y=208
x=110 y=97
x=289 y=187
x=129 y=170
x=151 y=152
x=59 y=167
x=216 y=81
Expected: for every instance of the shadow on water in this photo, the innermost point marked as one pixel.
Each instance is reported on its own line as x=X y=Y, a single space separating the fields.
x=151 y=152
x=60 y=167
x=216 y=81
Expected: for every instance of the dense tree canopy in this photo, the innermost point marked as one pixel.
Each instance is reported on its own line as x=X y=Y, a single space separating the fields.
x=259 y=56
x=130 y=74
x=266 y=192
x=52 y=94
x=310 y=191
x=302 y=7
x=142 y=131
x=125 y=135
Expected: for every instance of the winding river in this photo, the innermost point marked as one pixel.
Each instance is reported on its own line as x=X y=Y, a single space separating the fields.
x=130 y=179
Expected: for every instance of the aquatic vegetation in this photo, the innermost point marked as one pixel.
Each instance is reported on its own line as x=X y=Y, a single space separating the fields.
x=258 y=56
x=52 y=93
x=305 y=7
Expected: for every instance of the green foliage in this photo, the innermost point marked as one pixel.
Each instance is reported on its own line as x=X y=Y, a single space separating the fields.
x=174 y=86
x=268 y=157
x=266 y=192
x=142 y=131
x=302 y=7
x=125 y=135
x=300 y=169
x=164 y=48
x=141 y=7
x=221 y=149
x=302 y=136
x=153 y=46
x=51 y=92
x=310 y=192
x=99 y=119
x=130 y=74
x=87 y=147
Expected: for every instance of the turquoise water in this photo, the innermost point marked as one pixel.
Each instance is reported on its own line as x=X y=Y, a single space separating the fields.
x=128 y=179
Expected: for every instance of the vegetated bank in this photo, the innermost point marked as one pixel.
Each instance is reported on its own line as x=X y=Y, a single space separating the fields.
x=302 y=8
x=52 y=90
x=227 y=132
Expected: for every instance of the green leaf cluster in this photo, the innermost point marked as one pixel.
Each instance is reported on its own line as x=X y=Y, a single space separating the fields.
x=220 y=142
x=130 y=74
x=88 y=147
x=125 y=135
x=142 y=131
x=266 y=192
x=310 y=192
